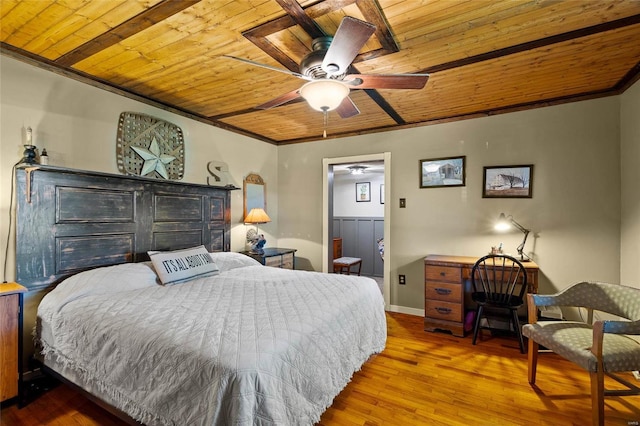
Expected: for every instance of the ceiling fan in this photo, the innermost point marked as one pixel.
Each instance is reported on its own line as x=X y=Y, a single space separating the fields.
x=326 y=69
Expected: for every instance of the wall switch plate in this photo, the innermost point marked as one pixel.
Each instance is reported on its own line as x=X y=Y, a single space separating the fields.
x=403 y=203
x=402 y=280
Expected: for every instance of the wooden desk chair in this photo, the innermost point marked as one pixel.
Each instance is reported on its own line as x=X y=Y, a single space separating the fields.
x=343 y=264
x=600 y=347
x=499 y=282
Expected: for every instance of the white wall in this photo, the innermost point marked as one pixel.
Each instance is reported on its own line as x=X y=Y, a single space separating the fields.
x=344 y=195
x=574 y=214
x=630 y=184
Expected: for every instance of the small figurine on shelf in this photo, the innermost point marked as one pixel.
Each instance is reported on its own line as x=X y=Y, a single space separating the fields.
x=258 y=244
x=44 y=158
x=256 y=241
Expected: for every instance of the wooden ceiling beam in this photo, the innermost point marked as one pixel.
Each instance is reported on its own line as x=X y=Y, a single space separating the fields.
x=327 y=6
x=386 y=107
x=258 y=36
x=372 y=14
x=629 y=79
x=298 y=14
x=138 y=23
x=535 y=44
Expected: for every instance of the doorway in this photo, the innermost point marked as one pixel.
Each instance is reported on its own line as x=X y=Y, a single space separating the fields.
x=331 y=166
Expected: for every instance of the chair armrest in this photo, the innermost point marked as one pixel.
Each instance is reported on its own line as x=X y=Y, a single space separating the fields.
x=536 y=300
x=547 y=299
x=613 y=327
x=532 y=309
x=619 y=327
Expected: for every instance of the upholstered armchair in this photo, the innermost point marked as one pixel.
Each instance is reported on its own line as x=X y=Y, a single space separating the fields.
x=602 y=347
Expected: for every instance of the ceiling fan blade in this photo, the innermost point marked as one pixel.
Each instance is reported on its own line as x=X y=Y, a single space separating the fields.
x=280 y=100
x=269 y=67
x=386 y=81
x=347 y=108
x=351 y=35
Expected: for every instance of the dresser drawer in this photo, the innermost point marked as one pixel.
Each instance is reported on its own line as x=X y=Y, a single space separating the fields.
x=443 y=291
x=442 y=273
x=287 y=261
x=443 y=310
x=274 y=261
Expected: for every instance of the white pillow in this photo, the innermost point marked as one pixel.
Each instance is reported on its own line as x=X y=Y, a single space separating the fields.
x=227 y=260
x=178 y=266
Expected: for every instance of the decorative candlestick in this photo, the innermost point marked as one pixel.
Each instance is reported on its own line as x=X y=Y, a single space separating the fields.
x=29 y=154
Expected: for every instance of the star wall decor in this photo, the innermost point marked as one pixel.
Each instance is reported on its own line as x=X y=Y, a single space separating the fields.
x=153 y=160
x=150 y=147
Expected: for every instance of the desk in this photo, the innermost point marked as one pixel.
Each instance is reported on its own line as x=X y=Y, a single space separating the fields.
x=278 y=257
x=445 y=279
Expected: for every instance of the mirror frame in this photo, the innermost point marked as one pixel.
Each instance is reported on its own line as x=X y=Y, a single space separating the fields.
x=254 y=180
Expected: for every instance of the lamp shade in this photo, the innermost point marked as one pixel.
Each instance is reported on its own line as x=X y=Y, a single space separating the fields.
x=505 y=222
x=324 y=94
x=502 y=224
x=257 y=215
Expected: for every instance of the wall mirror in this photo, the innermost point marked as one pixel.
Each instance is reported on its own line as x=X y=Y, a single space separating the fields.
x=255 y=193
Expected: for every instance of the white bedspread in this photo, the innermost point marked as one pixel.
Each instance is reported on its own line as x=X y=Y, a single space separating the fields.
x=252 y=345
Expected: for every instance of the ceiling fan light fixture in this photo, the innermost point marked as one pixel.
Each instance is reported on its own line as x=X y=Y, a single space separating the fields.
x=324 y=94
x=356 y=170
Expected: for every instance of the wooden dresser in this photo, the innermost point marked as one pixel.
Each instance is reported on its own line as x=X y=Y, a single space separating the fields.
x=446 y=279
x=10 y=339
x=277 y=257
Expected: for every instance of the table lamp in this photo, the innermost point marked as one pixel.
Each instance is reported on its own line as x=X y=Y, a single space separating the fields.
x=504 y=223
x=256 y=216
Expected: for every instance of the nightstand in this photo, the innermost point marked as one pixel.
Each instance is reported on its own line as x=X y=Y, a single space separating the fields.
x=284 y=258
x=10 y=339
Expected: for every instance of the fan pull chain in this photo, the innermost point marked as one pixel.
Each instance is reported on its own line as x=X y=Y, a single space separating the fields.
x=326 y=120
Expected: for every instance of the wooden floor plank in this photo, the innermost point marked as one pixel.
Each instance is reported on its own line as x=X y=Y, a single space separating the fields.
x=421 y=378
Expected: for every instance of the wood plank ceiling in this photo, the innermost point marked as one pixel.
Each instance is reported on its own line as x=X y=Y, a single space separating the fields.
x=484 y=57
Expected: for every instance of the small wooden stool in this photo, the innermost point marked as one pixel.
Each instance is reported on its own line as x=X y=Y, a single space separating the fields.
x=343 y=264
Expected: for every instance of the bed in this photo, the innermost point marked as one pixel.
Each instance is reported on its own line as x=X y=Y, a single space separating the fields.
x=245 y=344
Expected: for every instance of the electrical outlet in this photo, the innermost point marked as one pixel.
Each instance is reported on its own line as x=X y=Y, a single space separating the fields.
x=402 y=280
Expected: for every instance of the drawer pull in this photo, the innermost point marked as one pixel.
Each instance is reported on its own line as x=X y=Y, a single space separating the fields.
x=442 y=291
x=443 y=310
x=442 y=274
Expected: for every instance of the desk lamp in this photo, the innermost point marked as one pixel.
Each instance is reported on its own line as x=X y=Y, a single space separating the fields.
x=504 y=223
x=256 y=216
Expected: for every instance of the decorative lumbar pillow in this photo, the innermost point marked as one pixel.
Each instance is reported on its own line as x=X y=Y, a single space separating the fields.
x=178 y=266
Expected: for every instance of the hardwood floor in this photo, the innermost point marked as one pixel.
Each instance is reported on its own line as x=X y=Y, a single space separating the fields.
x=420 y=379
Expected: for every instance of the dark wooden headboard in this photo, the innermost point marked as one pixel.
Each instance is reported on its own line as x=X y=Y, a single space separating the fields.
x=72 y=220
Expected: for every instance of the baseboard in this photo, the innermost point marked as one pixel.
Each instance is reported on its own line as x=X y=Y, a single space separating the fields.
x=405 y=310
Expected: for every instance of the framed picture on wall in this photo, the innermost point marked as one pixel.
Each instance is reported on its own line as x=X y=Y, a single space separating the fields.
x=382 y=193
x=507 y=181
x=363 y=192
x=441 y=172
